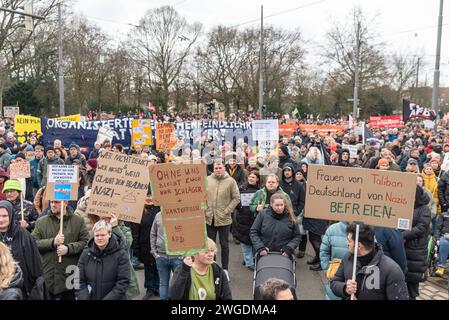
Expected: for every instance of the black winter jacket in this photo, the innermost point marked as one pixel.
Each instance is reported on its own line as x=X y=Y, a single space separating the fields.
x=244 y=218
x=294 y=190
x=104 y=275
x=239 y=174
x=416 y=239
x=275 y=232
x=25 y=252
x=141 y=235
x=181 y=282
x=30 y=213
x=442 y=225
x=391 y=279
x=443 y=191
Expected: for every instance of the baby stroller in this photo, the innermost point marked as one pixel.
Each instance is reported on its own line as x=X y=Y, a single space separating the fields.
x=274 y=265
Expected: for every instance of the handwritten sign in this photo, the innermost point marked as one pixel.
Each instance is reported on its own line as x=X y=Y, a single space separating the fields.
x=120 y=186
x=375 y=197
x=59 y=179
x=105 y=133
x=184 y=229
x=352 y=150
x=10 y=111
x=165 y=136
x=180 y=183
x=20 y=170
x=142 y=132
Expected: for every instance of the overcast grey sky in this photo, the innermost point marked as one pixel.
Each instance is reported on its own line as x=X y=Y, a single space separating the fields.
x=397 y=20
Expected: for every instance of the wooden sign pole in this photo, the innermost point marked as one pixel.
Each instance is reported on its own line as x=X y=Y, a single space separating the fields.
x=61 y=223
x=21 y=205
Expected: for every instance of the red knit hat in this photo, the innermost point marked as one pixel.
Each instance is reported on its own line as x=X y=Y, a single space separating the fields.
x=92 y=163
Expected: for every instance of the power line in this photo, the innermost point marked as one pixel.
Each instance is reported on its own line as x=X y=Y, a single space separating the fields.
x=112 y=21
x=279 y=13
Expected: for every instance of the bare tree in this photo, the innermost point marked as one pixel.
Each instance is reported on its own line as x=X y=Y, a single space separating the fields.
x=161 y=43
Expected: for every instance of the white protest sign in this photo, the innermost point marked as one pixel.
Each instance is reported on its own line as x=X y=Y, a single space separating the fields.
x=266 y=147
x=265 y=130
x=352 y=150
x=10 y=111
x=62 y=173
x=245 y=199
x=445 y=165
x=105 y=133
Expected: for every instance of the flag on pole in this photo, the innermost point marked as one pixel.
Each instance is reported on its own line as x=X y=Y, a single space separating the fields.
x=295 y=112
x=151 y=106
x=367 y=134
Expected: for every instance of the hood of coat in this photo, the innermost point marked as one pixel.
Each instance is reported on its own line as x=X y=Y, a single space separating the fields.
x=421 y=197
x=17 y=279
x=290 y=166
x=114 y=244
x=340 y=155
x=225 y=175
x=13 y=223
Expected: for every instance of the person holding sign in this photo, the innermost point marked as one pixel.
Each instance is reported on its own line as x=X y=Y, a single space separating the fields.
x=52 y=244
x=223 y=196
x=13 y=192
x=104 y=266
x=200 y=278
x=275 y=228
x=244 y=218
x=378 y=277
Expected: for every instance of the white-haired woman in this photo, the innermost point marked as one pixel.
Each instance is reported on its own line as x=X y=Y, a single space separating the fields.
x=313 y=156
x=103 y=266
x=11 y=280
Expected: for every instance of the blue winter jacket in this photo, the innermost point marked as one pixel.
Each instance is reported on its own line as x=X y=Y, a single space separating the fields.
x=392 y=244
x=333 y=246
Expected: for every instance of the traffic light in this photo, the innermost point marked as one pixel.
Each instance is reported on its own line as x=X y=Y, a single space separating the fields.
x=264 y=108
x=210 y=107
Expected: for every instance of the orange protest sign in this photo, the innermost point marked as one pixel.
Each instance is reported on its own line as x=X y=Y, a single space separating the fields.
x=165 y=136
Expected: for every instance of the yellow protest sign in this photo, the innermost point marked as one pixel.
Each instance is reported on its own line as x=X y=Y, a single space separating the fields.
x=24 y=124
x=142 y=134
x=72 y=118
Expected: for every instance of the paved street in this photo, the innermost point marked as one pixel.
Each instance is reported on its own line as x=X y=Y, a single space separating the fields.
x=310 y=283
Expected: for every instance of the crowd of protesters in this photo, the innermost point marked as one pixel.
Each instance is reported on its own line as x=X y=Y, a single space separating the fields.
x=106 y=251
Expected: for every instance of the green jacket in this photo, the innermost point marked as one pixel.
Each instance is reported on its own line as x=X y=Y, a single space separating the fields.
x=260 y=197
x=76 y=236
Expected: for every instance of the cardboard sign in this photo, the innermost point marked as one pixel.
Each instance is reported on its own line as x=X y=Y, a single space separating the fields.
x=178 y=183
x=10 y=111
x=185 y=229
x=265 y=130
x=142 y=133
x=375 y=197
x=322 y=130
x=165 y=136
x=19 y=170
x=120 y=186
x=59 y=179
